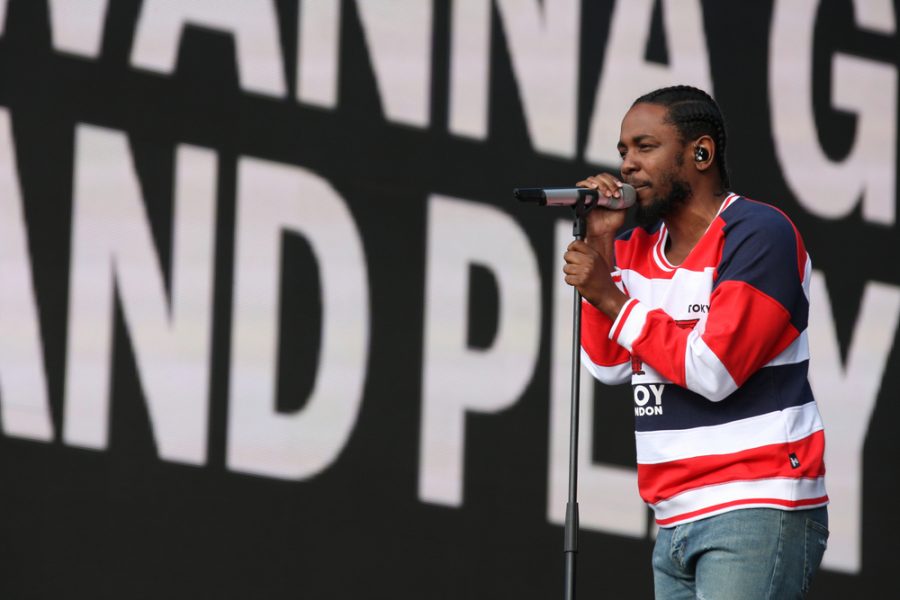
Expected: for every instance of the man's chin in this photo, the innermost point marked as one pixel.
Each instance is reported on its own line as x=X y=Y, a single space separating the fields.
x=649 y=212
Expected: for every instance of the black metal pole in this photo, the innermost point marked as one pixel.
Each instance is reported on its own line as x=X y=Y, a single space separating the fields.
x=571 y=531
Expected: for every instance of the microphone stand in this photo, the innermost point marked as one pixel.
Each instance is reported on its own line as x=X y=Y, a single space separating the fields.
x=579 y=229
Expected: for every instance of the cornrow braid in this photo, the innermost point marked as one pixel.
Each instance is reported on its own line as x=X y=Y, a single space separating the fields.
x=694 y=113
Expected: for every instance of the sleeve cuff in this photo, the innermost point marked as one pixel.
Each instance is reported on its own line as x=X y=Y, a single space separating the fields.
x=616 y=276
x=629 y=323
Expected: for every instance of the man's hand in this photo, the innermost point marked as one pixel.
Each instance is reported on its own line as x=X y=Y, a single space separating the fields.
x=603 y=223
x=587 y=270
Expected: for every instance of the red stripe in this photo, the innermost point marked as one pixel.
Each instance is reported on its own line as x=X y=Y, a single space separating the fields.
x=748 y=501
x=708 y=251
x=660 y=481
x=746 y=328
x=624 y=317
x=662 y=344
x=595 y=338
x=637 y=253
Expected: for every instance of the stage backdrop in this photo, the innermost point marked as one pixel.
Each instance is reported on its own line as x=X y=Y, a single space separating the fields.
x=273 y=326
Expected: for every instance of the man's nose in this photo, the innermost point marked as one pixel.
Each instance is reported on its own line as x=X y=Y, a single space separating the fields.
x=628 y=165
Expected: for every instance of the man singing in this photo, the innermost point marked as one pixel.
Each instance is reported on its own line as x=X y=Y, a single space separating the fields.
x=704 y=308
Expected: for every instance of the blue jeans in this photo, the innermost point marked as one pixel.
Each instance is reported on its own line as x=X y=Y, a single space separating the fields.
x=746 y=554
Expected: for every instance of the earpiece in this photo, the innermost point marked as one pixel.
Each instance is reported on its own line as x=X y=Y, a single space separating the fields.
x=701 y=154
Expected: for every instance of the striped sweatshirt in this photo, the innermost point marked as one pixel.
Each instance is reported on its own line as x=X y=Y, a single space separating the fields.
x=717 y=353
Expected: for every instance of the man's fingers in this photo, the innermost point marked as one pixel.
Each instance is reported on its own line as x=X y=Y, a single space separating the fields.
x=581 y=247
x=572 y=258
x=577 y=258
x=605 y=183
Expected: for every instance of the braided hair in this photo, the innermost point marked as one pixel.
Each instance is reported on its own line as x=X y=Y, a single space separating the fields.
x=694 y=113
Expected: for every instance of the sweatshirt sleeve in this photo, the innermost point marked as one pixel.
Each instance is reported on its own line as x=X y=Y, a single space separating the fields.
x=758 y=309
x=606 y=360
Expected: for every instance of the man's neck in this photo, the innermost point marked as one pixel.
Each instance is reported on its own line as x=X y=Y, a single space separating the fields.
x=687 y=226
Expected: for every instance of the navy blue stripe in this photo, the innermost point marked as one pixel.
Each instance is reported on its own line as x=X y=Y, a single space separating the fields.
x=761 y=250
x=768 y=390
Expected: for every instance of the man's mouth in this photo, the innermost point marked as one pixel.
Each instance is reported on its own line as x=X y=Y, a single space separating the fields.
x=639 y=191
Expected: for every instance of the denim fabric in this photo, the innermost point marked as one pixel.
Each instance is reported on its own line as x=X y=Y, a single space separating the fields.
x=746 y=554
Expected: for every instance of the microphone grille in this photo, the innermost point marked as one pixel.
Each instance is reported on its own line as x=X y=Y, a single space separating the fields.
x=629 y=195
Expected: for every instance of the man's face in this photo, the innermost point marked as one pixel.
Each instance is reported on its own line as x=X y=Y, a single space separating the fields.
x=653 y=158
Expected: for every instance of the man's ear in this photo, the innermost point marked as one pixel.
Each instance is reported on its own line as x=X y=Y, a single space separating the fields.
x=703 y=152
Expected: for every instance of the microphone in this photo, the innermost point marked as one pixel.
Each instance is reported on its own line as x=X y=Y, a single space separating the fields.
x=570 y=196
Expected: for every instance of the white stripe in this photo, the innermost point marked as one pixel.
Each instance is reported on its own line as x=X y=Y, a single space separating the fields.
x=781 y=488
x=622 y=312
x=797 y=352
x=659 y=255
x=807 y=270
x=633 y=324
x=704 y=373
x=788 y=425
x=691 y=287
x=726 y=203
x=747 y=504
x=610 y=375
